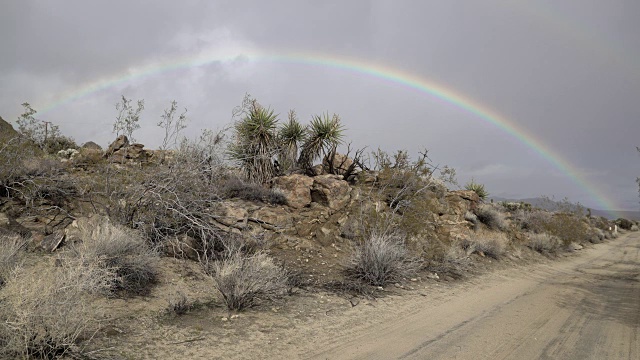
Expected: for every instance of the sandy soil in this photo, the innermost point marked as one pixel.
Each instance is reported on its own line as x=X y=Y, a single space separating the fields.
x=583 y=306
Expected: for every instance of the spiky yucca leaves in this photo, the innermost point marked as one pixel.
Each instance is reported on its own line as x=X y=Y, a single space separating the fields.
x=255 y=143
x=323 y=134
x=291 y=134
x=478 y=189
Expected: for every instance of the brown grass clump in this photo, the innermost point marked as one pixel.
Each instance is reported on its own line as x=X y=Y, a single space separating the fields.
x=382 y=259
x=246 y=280
x=544 y=243
x=12 y=250
x=122 y=251
x=47 y=314
x=493 y=245
x=490 y=216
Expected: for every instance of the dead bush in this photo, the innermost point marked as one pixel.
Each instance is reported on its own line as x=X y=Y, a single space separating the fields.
x=179 y=304
x=544 y=243
x=534 y=220
x=235 y=187
x=491 y=217
x=246 y=280
x=494 y=246
x=122 y=251
x=48 y=314
x=10 y=256
x=381 y=259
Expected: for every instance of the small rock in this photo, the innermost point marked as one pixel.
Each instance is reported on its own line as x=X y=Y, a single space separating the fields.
x=235 y=316
x=433 y=276
x=4 y=219
x=225 y=319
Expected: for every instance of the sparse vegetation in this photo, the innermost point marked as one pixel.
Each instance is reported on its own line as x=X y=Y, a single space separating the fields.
x=382 y=259
x=492 y=217
x=246 y=280
x=478 y=189
x=12 y=250
x=49 y=314
x=192 y=203
x=491 y=245
x=544 y=243
x=324 y=134
x=625 y=224
x=123 y=252
x=128 y=118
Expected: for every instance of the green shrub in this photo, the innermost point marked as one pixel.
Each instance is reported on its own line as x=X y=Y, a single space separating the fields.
x=624 y=223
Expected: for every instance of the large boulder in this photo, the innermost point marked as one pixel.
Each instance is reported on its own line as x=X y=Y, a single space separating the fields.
x=135 y=152
x=6 y=130
x=338 y=164
x=120 y=142
x=273 y=218
x=461 y=201
x=296 y=189
x=331 y=191
x=91 y=145
x=231 y=214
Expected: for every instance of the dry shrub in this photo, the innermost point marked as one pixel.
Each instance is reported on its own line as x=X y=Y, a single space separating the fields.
x=382 y=259
x=47 y=314
x=534 y=220
x=569 y=228
x=544 y=243
x=246 y=280
x=472 y=218
x=122 y=251
x=234 y=187
x=491 y=245
x=179 y=304
x=10 y=256
x=491 y=217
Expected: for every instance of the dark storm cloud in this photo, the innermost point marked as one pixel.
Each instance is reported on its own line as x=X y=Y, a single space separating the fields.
x=565 y=73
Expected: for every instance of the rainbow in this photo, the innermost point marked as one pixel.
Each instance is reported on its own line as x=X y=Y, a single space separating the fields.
x=391 y=74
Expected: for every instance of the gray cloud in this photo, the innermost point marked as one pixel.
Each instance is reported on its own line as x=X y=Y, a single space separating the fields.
x=565 y=73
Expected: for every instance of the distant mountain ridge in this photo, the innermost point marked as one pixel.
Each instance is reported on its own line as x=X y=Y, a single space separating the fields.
x=550 y=204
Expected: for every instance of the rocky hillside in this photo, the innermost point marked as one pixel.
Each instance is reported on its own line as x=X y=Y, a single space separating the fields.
x=118 y=222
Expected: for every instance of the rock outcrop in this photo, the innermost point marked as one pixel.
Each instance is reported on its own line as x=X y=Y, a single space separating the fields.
x=331 y=191
x=120 y=142
x=122 y=151
x=296 y=189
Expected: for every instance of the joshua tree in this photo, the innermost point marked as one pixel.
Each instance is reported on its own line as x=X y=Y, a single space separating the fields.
x=291 y=134
x=256 y=143
x=323 y=135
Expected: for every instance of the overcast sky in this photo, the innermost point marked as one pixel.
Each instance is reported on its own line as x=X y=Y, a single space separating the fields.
x=565 y=73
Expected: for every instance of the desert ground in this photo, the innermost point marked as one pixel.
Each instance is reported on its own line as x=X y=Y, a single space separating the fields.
x=585 y=305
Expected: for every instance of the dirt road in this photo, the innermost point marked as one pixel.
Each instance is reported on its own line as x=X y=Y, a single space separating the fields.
x=586 y=307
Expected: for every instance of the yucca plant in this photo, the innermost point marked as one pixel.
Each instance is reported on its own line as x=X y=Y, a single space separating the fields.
x=478 y=189
x=291 y=135
x=323 y=135
x=255 y=143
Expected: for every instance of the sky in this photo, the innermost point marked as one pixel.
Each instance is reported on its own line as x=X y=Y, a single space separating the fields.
x=529 y=98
